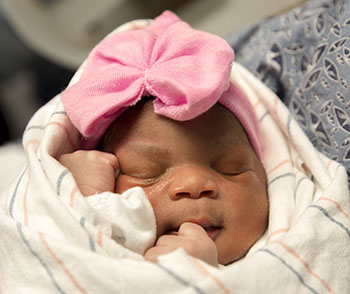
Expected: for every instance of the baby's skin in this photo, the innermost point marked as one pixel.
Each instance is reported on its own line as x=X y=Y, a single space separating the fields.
x=103 y=168
x=203 y=179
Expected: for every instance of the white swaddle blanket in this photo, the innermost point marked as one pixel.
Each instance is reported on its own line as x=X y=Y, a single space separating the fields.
x=54 y=240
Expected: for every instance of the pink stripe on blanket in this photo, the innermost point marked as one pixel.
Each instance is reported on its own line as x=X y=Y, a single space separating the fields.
x=305 y=264
x=278 y=165
x=274 y=233
x=99 y=239
x=215 y=279
x=60 y=262
x=72 y=194
x=337 y=205
x=64 y=128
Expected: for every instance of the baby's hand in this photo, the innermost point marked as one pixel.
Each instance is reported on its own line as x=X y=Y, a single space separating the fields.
x=94 y=171
x=191 y=237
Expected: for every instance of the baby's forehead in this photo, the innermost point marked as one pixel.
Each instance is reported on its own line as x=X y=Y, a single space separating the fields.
x=139 y=120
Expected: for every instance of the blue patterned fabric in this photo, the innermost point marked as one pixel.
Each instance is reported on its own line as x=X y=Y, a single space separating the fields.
x=304 y=57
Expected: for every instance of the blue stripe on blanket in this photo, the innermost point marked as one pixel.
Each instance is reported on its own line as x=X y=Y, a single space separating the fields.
x=326 y=214
x=47 y=269
x=58 y=112
x=42 y=127
x=280 y=177
x=179 y=279
x=14 y=195
x=297 y=187
x=91 y=241
x=263 y=116
x=59 y=181
x=298 y=275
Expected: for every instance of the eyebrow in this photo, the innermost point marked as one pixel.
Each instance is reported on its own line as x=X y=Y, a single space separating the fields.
x=232 y=141
x=147 y=149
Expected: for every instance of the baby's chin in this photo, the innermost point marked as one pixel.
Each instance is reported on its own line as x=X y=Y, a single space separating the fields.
x=227 y=256
x=225 y=259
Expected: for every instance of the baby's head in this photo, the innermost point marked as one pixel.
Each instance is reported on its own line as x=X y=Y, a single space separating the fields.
x=194 y=146
x=203 y=170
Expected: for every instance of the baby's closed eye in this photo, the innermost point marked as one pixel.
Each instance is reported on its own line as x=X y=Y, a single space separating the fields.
x=232 y=165
x=142 y=161
x=142 y=169
x=232 y=169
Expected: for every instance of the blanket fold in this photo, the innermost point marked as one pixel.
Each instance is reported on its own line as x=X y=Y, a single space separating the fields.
x=54 y=240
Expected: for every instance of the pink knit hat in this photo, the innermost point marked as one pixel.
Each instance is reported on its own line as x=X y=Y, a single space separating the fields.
x=187 y=70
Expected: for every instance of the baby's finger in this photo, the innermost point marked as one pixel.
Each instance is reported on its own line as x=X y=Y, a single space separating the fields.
x=94 y=171
x=110 y=159
x=113 y=161
x=166 y=240
x=199 y=244
x=192 y=229
x=153 y=253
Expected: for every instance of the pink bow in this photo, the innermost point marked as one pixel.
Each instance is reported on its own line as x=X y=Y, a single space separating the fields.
x=185 y=69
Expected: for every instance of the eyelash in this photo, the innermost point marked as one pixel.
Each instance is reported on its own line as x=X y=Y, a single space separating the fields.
x=148 y=180
x=232 y=174
x=145 y=180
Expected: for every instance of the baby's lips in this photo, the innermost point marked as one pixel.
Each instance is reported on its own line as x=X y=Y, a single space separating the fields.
x=212 y=230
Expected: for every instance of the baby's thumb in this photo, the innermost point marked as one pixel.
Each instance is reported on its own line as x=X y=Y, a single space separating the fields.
x=203 y=247
x=192 y=229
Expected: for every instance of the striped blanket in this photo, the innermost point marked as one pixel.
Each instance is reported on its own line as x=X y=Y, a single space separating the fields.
x=54 y=240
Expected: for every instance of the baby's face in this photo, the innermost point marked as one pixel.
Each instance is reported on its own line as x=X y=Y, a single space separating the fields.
x=203 y=171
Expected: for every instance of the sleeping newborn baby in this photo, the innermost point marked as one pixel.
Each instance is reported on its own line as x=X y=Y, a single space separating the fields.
x=171 y=124
x=202 y=177
x=164 y=158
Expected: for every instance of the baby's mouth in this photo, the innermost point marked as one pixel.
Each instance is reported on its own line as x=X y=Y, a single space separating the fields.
x=212 y=230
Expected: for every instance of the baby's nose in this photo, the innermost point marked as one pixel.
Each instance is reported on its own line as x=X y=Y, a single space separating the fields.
x=192 y=182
